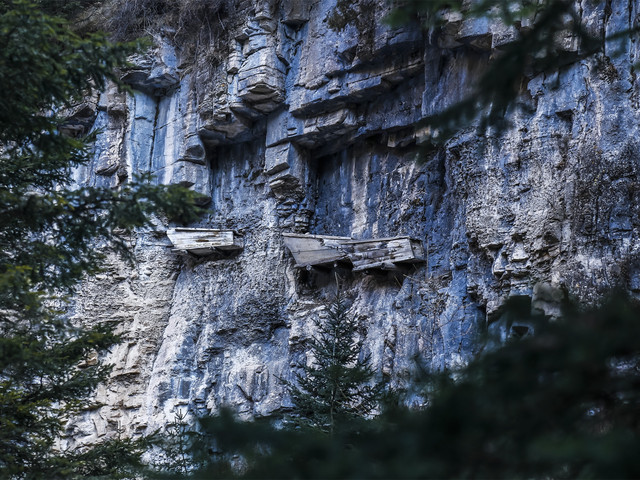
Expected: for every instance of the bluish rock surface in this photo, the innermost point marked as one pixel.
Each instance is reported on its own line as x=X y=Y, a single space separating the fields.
x=305 y=129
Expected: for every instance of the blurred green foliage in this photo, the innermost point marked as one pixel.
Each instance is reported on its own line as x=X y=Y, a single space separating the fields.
x=561 y=403
x=175 y=449
x=52 y=234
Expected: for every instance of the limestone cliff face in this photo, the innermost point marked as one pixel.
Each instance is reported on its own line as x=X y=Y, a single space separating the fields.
x=300 y=128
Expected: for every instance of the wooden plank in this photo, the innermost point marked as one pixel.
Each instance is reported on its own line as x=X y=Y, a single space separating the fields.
x=374 y=254
x=306 y=236
x=236 y=244
x=383 y=265
x=382 y=253
x=195 y=251
x=200 y=235
x=384 y=239
x=418 y=250
x=204 y=241
x=315 y=249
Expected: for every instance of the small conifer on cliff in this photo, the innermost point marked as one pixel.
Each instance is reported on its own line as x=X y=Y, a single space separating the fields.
x=338 y=386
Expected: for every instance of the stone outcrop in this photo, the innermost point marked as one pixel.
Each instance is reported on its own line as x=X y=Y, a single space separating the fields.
x=304 y=129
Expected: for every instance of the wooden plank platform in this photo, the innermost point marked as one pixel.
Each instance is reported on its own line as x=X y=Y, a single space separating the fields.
x=385 y=253
x=315 y=250
x=204 y=241
x=375 y=253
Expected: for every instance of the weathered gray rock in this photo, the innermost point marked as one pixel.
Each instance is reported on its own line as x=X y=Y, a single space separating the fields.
x=303 y=129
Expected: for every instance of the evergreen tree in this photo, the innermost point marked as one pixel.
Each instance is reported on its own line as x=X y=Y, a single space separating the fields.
x=563 y=402
x=52 y=235
x=337 y=387
x=177 y=446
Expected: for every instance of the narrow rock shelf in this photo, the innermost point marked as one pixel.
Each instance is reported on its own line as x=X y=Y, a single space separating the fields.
x=203 y=241
x=376 y=253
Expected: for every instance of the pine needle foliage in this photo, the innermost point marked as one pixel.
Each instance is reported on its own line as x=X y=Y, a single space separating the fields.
x=113 y=459
x=561 y=403
x=177 y=446
x=52 y=235
x=338 y=386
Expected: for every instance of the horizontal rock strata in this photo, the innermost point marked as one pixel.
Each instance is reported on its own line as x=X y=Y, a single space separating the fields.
x=300 y=128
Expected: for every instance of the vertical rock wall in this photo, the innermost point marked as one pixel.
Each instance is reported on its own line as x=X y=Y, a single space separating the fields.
x=300 y=128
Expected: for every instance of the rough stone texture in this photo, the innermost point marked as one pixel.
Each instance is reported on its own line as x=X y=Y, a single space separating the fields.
x=309 y=130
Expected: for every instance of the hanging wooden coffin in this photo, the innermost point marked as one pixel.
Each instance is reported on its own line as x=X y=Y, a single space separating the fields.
x=315 y=250
x=204 y=241
x=376 y=253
